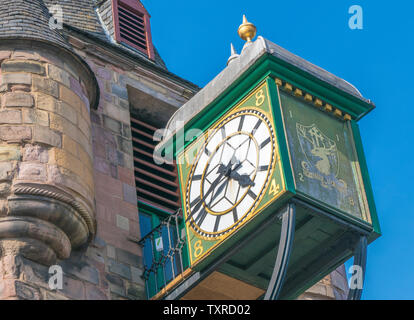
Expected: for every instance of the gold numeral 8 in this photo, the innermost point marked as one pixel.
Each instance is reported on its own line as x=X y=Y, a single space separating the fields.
x=198 y=249
x=260 y=98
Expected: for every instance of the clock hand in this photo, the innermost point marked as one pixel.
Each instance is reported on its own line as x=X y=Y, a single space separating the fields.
x=222 y=171
x=244 y=179
x=219 y=190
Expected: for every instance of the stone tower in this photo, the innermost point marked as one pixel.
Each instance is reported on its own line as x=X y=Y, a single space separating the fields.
x=68 y=193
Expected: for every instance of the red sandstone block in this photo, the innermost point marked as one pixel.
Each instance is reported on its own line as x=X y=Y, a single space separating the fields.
x=72 y=288
x=94 y=293
x=127 y=176
x=107 y=185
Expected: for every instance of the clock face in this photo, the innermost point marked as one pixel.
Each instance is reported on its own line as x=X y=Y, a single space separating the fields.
x=230 y=173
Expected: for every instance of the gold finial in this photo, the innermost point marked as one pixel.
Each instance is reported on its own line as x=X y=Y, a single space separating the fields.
x=247 y=31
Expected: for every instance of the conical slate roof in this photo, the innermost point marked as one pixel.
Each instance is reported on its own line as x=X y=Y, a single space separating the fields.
x=28 y=19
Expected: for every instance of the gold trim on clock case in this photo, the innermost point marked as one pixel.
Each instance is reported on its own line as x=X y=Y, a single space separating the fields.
x=276 y=167
x=299 y=93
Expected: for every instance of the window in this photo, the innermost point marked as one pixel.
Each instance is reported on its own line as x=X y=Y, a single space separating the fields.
x=132 y=25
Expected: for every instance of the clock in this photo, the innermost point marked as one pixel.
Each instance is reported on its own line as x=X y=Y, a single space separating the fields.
x=230 y=173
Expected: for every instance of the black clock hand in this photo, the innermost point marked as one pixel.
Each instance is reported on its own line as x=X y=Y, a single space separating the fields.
x=244 y=179
x=222 y=171
x=219 y=190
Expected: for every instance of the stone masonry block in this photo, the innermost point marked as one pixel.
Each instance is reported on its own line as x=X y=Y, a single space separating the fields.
x=137 y=275
x=125 y=145
x=120 y=269
x=6 y=171
x=59 y=75
x=112 y=124
x=32 y=171
x=39 y=117
x=129 y=193
x=15 y=133
x=128 y=257
x=46 y=136
x=70 y=145
x=94 y=293
x=122 y=222
x=9 y=152
x=35 y=153
x=17 y=99
x=4 y=55
x=10 y=117
x=72 y=288
x=45 y=85
x=69 y=97
x=16 y=78
x=49 y=103
x=110 y=252
x=68 y=161
x=119 y=91
x=23 y=66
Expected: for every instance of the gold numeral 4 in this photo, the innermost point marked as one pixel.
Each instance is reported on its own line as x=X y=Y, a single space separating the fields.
x=274 y=188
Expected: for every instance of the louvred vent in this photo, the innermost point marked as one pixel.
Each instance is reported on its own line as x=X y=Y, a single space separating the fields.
x=132 y=25
x=157 y=185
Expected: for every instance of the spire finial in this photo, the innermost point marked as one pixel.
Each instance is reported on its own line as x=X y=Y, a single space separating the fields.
x=247 y=31
x=233 y=55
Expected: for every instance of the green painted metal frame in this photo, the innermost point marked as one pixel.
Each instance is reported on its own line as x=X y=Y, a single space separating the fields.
x=267 y=68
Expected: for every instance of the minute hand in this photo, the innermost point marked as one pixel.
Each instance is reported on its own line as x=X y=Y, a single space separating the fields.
x=222 y=171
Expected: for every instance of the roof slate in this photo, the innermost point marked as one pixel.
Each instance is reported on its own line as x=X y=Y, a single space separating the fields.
x=28 y=19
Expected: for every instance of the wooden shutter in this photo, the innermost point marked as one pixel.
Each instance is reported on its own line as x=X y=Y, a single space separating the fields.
x=132 y=26
x=157 y=185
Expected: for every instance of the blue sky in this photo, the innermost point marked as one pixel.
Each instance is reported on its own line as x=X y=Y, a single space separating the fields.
x=193 y=37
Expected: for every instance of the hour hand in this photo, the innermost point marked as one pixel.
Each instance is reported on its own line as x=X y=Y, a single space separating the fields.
x=244 y=180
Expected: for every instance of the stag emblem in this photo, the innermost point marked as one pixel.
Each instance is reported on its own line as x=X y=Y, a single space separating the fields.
x=320 y=151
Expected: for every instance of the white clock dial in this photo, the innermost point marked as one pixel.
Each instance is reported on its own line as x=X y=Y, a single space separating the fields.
x=230 y=173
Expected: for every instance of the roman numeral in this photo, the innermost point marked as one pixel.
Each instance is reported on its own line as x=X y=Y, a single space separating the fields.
x=235 y=215
x=263 y=168
x=200 y=218
x=216 y=225
x=223 y=133
x=207 y=152
x=259 y=122
x=195 y=206
x=241 y=123
x=197 y=177
x=265 y=143
x=252 y=194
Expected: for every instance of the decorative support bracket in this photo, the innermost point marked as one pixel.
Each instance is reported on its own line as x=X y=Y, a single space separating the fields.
x=360 y=259
x=283 y=253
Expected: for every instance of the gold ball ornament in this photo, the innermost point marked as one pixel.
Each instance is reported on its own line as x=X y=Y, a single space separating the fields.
x=247 y=31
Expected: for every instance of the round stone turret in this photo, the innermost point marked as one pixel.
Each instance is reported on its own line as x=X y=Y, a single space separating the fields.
x=46 y=176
